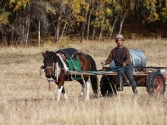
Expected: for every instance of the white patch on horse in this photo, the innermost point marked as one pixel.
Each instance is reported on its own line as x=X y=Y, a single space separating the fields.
x=65 y=66
x=82 y=86
x=82 y=89
x=87 y=90
x=57 y=73
x=59 y=93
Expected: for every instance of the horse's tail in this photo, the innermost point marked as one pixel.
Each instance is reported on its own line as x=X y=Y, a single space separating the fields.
x=93 y=78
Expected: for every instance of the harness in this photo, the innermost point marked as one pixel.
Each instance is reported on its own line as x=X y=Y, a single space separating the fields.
x=62 y=54
x=70 y=58
x=56 y=70
x=69 y=53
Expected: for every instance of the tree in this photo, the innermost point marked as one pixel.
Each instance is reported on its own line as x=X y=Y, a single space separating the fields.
x=105 y=13
x=29 y=13
x=164 y=10
x=4 y=18
x=18 y=18
x=153 y=13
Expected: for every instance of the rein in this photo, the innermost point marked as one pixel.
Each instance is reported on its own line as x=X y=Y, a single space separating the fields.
x=50 y=67
x=98 y=64
x=54 y=68
x=50 y=80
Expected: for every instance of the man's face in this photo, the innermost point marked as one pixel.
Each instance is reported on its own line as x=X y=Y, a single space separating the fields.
x=119 y=42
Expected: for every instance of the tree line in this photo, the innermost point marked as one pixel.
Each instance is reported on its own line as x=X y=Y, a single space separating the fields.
x=19 y=19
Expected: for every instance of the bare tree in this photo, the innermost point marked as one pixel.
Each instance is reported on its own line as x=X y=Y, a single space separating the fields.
x=122 y=21
x=116 y=18
x=34 y=14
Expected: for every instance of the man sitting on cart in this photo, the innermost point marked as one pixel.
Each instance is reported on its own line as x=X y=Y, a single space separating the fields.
x=121 y=57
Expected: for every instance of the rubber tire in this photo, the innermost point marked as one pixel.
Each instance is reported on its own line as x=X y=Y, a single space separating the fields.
x=105 y=87
x=153 y=78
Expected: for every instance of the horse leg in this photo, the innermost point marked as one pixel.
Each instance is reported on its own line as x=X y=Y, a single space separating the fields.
x=82 y=89
x=59 y=92
x=87 y=83
x=82 y=82
x=60 y=88
x=64 y=93
x=87 y=90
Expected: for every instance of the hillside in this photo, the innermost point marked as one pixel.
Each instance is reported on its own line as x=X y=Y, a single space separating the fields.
x=138 y=30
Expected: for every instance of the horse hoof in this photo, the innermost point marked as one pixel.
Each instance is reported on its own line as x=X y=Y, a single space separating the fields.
x=66 y=98
x=95 y=96
x=58 y=100
x=82 y=94
x=86 y=99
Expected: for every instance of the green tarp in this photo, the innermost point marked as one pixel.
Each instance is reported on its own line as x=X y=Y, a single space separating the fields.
x=74 y=66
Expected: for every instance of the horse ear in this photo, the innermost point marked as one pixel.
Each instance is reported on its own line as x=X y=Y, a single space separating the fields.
x=43 y=54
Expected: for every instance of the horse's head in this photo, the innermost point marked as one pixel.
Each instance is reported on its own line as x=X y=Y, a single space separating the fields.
x=53 y=63
x=50 y=59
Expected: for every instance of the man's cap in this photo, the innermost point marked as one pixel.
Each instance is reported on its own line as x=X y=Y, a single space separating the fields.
x=119 y=36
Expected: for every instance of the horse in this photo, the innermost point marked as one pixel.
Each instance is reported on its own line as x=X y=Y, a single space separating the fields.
x=56 y=67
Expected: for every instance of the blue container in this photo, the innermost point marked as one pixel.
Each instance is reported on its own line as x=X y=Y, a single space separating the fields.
x=137 y=57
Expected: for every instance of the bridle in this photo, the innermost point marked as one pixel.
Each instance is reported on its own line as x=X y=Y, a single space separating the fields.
x=56 y=70
x=51 y=67
x=54 y=75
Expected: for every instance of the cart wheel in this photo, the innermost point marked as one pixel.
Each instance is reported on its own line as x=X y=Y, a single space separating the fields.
x=103 y=88
x=156 y=83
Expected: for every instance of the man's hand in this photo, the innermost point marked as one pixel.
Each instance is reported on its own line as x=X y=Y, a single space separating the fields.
x=103 y=63
x=124 y=64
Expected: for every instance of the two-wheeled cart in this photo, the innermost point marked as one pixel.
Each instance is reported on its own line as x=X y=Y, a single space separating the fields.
x=153 y=78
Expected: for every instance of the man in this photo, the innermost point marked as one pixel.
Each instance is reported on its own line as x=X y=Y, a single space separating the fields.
x=121 y=57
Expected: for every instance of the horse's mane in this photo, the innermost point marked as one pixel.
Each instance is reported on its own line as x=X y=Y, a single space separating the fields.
x=53 y=55
x=49 y=54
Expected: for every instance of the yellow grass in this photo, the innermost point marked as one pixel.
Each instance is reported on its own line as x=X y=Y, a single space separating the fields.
x=26 y=100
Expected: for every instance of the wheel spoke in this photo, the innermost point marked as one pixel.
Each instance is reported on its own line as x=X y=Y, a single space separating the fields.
x=158 y=85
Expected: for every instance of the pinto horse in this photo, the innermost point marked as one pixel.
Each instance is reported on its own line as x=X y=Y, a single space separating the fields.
x=56 y=67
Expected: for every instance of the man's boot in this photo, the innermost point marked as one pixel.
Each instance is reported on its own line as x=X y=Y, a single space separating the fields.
x=120 y=81
x=134 y=90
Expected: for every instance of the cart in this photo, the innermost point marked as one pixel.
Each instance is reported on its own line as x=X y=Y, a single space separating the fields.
x=153 y=78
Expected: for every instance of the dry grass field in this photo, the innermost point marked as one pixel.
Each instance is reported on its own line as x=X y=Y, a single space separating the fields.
x=26 y=100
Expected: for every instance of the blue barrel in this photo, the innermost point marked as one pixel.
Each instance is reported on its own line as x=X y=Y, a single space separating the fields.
x=137 y=57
